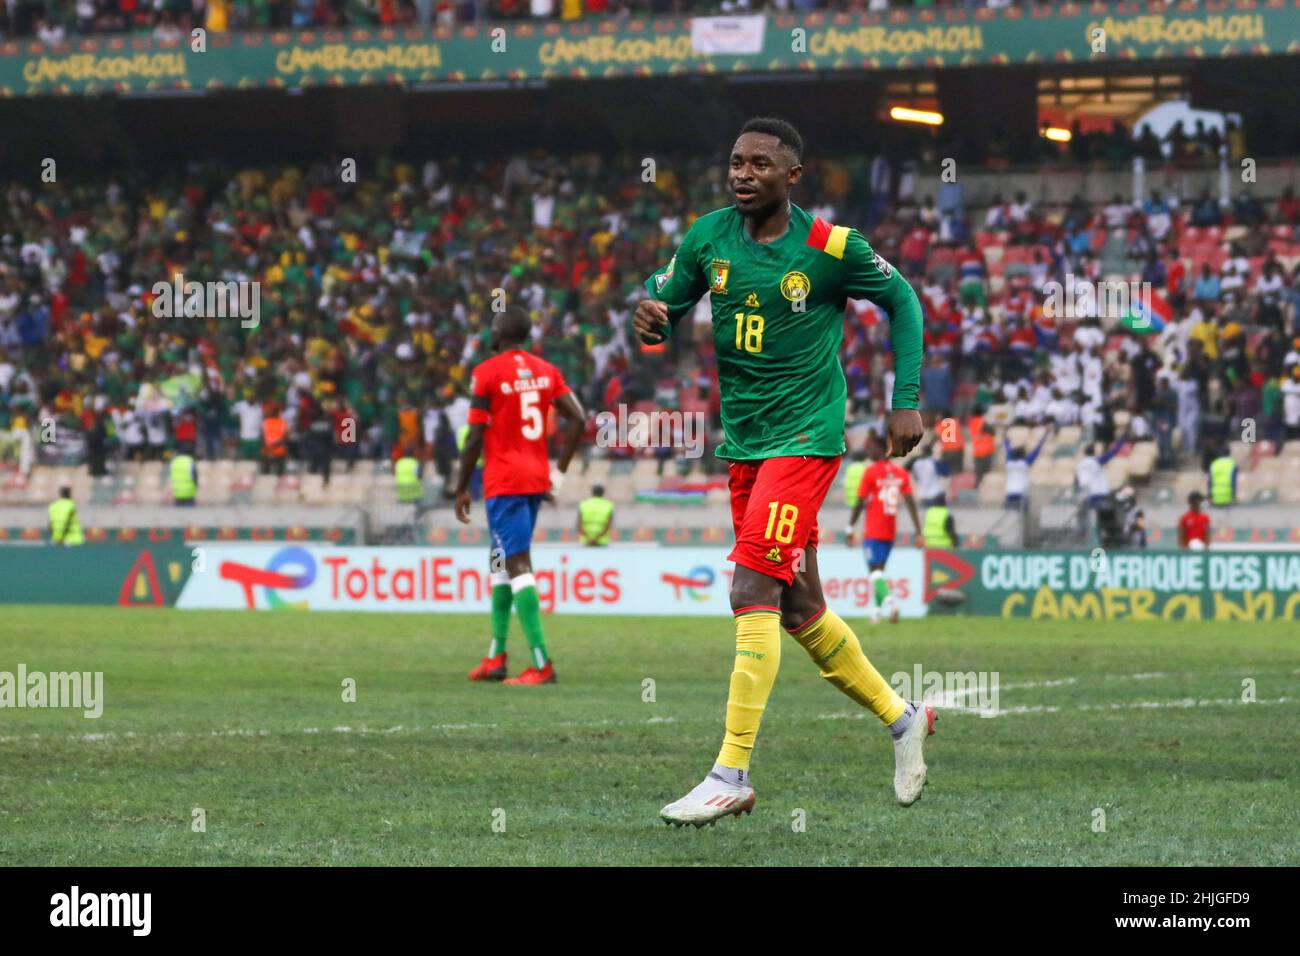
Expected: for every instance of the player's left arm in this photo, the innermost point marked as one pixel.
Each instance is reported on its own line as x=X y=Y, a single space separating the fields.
x=911 y=507
x=869 y=276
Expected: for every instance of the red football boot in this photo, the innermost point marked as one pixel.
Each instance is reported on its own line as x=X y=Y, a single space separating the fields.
x=490 y=668
x=534 y=676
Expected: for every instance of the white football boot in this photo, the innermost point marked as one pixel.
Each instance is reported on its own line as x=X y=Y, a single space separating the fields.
x=909 y=764
x=712 y=800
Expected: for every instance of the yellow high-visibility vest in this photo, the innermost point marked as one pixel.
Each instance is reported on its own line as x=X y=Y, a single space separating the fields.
x=1221 y=470
x=462 y=435
x=409 y=485
x=935 y=529
x=183 y=486
x=853 y=478
x=64 y=525
x=594 y=513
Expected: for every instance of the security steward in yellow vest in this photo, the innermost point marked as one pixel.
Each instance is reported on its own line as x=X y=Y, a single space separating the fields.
x=65 y=529
x=185 y=479
x=410 y=487
x=595 y=517
x=853 y=477
x=1223 y=481
x=939 y=530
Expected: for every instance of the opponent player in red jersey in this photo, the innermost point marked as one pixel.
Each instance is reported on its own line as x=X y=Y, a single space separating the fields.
x=883 y=485
x=512 y=393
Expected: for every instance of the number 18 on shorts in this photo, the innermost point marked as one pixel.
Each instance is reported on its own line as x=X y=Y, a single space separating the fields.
x=774 y=507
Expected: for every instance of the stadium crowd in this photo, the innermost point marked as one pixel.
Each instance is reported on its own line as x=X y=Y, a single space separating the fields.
x=52 y=21
x=375 y=299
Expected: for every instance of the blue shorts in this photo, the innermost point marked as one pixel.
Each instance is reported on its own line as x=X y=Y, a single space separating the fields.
x=877 y=550
x=511 y=519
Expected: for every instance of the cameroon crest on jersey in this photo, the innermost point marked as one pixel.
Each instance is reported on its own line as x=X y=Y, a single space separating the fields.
x=718 y=272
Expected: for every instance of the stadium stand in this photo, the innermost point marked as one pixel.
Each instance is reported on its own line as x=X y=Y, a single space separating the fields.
x=369 y=322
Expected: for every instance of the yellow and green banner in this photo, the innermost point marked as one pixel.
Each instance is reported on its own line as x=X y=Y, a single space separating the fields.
x=1117 y=585
x=1099 y=32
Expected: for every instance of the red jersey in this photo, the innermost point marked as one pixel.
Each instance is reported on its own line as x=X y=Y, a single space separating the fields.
x=520 y=389
x=1195 y=526
x=882 y=488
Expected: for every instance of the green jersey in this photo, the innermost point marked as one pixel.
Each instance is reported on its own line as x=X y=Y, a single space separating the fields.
x=778 y=320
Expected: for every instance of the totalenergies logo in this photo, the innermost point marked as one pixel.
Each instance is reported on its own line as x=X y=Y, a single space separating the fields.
x=696 y=583
x=300 y=573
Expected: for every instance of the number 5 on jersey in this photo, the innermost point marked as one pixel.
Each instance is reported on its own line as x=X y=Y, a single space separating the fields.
x=530 y=415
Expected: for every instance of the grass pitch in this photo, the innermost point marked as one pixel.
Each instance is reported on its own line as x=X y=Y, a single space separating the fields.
x=242 y=715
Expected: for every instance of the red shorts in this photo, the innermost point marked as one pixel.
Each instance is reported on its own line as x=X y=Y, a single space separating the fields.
x=774 y=506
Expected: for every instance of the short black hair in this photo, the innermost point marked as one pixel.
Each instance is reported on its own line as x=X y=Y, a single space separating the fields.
x=785 y=133
x=598 y=491
x=516 y=325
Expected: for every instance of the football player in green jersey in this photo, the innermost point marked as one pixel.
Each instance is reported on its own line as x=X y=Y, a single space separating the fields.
x=778 y=281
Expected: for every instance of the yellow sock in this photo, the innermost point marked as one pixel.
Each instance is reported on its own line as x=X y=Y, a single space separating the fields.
x=833 y=645
x=758 y=657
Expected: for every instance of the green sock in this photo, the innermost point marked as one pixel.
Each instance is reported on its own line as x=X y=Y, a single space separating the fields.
x=529 y=610
x=882 y=588
x=501 y=596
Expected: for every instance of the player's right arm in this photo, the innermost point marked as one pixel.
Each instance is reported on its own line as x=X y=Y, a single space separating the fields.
x=575 y=419
x=674 y=290
x=479 y=416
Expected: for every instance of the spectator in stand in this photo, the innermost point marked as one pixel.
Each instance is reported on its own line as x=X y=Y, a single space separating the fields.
x=1291 y=404
x=318 y=441
x=1207 y=288
x=1288 y=207
x=186 y=428
x=1268 y=292
x=274 y=441
x=1206 y=212
x=1246 y=209
x=1164 y=417
x=1018 y=465
x=212 y=419
x=937 y=386
x=1194 y=525
x=928 y=473
x=1090 y=476
x=249 y=413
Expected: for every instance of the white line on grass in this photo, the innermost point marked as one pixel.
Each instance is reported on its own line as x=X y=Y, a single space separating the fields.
x=1184 y=703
